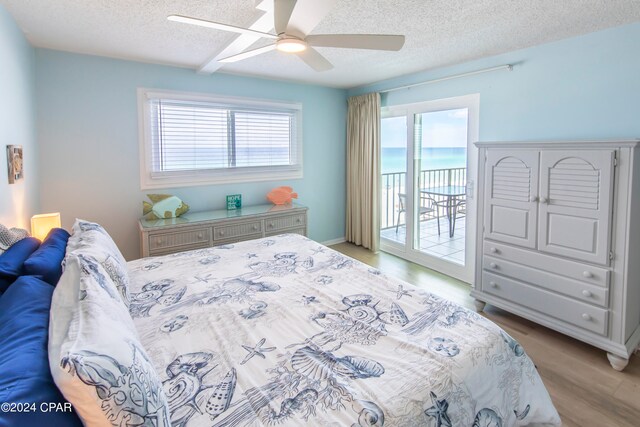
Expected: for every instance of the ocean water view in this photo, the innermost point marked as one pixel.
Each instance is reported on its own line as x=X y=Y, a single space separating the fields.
x=395 y=159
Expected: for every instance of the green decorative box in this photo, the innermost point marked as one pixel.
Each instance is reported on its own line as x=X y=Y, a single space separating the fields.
x=234 y=201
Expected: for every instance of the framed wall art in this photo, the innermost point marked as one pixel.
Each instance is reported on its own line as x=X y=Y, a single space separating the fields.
x=14 y=163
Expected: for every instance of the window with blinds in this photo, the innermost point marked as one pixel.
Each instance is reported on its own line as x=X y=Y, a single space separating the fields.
x=191 y=139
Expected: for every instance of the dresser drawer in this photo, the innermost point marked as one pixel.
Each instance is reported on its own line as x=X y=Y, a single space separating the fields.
x=300 y=231
x=173 y=250
x=566 y=309
x=575 y=270
x=236 y=230
x=284 y=222
x=586 y=292
x=192 y=237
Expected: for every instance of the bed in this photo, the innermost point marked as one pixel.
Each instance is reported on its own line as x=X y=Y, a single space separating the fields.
x=275 y=331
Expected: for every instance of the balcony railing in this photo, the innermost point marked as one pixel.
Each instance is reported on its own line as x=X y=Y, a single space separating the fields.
x=395 y=183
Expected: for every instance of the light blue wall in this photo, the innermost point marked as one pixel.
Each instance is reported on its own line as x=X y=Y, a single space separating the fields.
x=88 y=136
x=586 y=87
x=19 y=201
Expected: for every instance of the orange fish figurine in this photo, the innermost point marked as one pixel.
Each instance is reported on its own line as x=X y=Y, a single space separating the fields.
x=281 y=195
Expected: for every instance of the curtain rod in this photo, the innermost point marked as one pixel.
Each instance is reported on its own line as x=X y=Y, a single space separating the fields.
x=470 y=73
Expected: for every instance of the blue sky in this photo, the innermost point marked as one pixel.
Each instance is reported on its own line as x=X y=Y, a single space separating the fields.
x=440 y=129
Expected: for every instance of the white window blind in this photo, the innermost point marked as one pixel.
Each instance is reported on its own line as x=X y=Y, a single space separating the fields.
x=194 y=139
x=263 y=138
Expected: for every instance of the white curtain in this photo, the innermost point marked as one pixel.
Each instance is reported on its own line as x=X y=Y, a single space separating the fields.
x=363 y=171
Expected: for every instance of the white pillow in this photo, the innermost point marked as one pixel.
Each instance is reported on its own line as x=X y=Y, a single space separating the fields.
x=95 y=356
x=92 y=240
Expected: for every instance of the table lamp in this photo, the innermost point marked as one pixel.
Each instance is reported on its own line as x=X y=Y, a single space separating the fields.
x=43 y=223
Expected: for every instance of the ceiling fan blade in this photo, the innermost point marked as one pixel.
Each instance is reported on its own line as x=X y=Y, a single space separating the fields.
x=357 y=41
x=307 y=14
x=282 y=14
x=218 y=26
x=248 y=54
x=316 y=61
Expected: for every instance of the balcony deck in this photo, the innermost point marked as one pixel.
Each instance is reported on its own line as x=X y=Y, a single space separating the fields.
x=393 y=211
x=442 y=246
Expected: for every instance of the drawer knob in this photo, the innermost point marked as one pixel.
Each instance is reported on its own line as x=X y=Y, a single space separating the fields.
x=493 y=284
x=585 y=316
x=493 y=265
x=587 y=274
x=255 y=227
x=271 y=224
x=494 y=250
x=159 y=241
x=587 y=293
x=221 y=233
x=200 y=236
x=298 y=220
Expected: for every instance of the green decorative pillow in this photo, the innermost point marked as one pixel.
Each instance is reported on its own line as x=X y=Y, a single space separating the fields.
x=163 y=206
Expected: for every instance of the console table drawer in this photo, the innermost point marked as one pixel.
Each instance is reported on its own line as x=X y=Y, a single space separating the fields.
x=160 y=241
x=282 y=223
x=301 y=231
x=236 y=230
x=566 y=309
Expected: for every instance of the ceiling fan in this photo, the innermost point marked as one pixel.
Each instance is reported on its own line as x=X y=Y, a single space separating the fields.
x=293 y=21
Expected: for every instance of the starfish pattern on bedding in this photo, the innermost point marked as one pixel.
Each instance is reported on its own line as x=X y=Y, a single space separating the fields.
x=204 y=279
x=306 y=300
x=402 y=292
x=439 y=411
x=318 y=250
x=257 y=350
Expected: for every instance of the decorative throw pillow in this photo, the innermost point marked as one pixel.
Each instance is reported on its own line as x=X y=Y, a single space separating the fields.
x=10 y=236
x=163 y=206
x=24 y=364
x=92 y=241
x=12 y=260
x=46 y=261
x=95 y=356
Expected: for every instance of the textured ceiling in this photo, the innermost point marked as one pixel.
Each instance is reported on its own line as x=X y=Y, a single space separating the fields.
x=438 y=32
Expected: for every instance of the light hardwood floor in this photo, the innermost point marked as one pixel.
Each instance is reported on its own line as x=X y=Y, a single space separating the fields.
x=584 y=388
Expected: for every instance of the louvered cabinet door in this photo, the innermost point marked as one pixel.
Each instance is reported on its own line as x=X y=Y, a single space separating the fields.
x=575 y=203
x=511 y=185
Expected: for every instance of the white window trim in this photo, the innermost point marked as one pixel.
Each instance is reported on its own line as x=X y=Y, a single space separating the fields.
x=212 y=176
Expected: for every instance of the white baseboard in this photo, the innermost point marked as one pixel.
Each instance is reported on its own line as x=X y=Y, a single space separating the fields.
x=334 y=241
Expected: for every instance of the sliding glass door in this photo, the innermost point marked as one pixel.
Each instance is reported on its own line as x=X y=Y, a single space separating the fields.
x=427 y=202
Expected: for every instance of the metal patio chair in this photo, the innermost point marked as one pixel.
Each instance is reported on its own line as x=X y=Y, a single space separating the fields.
x=431 y=207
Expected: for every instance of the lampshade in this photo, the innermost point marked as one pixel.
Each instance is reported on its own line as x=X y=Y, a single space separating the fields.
x=41 y=224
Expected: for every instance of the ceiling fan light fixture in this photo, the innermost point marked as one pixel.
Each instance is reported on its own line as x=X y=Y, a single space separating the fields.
x=291 y=45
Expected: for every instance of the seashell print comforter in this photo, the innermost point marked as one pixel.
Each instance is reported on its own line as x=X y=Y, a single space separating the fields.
x=285 y=331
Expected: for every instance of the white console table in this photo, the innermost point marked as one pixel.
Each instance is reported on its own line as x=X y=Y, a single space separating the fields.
x=195 y=230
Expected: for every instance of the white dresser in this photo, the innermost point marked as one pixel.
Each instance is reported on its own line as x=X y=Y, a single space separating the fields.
x=559 y=238
x=195 y=230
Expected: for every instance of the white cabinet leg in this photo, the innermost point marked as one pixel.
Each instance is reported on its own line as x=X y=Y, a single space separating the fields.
x=618 y=363
x=479 y=305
